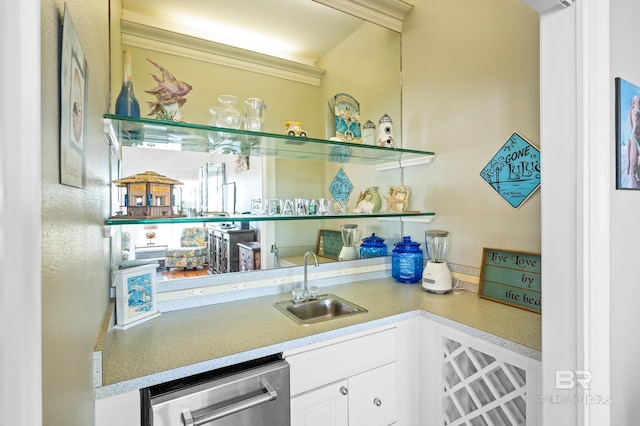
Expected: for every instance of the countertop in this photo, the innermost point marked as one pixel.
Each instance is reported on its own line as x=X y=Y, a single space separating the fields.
x=184 y=342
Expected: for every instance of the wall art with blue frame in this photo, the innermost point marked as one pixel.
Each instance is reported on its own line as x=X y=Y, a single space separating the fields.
x=627 y=135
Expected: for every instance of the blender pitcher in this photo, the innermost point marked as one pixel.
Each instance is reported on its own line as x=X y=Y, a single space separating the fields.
x=350 y=236
x=436 y=277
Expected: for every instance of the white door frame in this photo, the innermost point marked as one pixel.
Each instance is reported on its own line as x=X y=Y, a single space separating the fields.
x=594 y=130
x=20 y=272
x=575 y=142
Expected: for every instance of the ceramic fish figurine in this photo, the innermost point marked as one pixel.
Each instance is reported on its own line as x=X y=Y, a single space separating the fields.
x=168 y=91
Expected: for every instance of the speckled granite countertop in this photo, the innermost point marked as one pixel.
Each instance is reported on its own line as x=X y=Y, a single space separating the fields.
x=190 y=341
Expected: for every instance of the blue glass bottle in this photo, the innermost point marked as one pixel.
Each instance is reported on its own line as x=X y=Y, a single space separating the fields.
x=407 y=261
x=126 y=103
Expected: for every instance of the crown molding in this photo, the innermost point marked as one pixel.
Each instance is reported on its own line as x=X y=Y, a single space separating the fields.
x=387 y=13
x=164 y=41
x=545 y=5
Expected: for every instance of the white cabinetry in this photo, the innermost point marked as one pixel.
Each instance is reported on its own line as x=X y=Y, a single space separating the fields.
x=323 y=406
x=121 y=410
x=367 y=398
x=467 y=381
x=372 y=397
x=415 y=372
x=362 y=381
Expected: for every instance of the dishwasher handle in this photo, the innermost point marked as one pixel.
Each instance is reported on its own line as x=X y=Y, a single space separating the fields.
x=270 y=395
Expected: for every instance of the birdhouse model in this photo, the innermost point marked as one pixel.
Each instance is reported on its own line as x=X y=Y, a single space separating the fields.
x=149 y=195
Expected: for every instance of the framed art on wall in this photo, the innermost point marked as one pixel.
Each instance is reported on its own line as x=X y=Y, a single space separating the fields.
x=627 y=135
x=514 y=171
x=73 y=106
x=136 y=295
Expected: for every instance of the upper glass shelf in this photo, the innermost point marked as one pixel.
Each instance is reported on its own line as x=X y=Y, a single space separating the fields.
x=170 y=135
x=403 y=216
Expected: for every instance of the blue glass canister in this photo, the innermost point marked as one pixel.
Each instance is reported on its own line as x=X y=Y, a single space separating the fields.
x=407 y=261
x=372 y=246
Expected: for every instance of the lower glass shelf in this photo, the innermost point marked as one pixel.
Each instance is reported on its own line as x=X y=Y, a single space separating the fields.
x=402 y=216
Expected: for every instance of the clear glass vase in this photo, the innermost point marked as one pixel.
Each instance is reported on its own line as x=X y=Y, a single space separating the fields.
x=228 y=116
x=254 y=114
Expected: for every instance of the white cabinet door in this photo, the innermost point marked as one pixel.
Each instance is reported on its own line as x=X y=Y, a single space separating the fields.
x=325 y=406
x=121 y=410
x=372 y=397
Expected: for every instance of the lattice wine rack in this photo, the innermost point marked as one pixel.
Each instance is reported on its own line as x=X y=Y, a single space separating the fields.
x=480 y=390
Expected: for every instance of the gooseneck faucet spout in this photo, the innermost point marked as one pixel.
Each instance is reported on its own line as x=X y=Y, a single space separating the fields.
x=315 y=259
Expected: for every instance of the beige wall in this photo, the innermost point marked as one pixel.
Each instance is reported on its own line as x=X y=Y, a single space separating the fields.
x=367 y=66
x=286 y=100
x=471 y=78
x=75 y=256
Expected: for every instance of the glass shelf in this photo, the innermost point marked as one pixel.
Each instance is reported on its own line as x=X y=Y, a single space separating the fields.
x=170 y=135
x=405 y=216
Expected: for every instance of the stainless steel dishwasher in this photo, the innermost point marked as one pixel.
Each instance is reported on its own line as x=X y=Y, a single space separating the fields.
x=254 y=393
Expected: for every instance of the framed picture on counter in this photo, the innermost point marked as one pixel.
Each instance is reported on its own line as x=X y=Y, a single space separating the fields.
x=329 y=243
x=136 y=295
x=512 y=278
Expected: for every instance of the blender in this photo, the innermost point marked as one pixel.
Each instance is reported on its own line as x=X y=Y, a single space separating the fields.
x=350 y=235
x=436 y=276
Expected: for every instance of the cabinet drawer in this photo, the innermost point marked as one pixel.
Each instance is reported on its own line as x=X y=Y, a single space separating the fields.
x=337 y=361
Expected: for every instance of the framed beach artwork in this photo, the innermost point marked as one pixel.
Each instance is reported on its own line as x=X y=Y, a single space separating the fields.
x=627 y=135
x=73 y=106
x=136 y=295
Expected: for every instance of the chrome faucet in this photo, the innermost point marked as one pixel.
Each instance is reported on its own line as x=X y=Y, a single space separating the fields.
x=306 y=289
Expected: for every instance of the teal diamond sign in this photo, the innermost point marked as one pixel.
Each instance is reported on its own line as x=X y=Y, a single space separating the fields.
x=341 y=186
x=514 y=172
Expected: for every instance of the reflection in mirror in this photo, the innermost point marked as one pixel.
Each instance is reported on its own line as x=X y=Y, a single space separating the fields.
x=348 y=55
x=229 y=197
x=211 y=190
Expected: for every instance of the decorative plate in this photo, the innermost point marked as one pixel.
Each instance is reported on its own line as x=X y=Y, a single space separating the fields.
x=347 y=112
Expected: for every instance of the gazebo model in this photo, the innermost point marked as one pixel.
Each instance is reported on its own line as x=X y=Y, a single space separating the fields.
x=149 y=194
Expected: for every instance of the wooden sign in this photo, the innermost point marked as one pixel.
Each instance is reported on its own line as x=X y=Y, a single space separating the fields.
x=329 y=243
x=511 y=277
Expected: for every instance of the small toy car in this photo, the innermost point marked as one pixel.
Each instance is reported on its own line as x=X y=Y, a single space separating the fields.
x=294 y=128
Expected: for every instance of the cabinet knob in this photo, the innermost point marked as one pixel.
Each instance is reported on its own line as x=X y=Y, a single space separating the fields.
x=377 y=402
x=344 y=390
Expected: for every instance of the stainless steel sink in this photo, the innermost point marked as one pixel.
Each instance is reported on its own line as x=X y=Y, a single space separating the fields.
x=324 y=308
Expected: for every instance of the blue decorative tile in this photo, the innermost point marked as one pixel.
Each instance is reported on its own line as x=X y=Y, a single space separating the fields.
x=340 y=154
x=514 y=172
x=341 y=186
